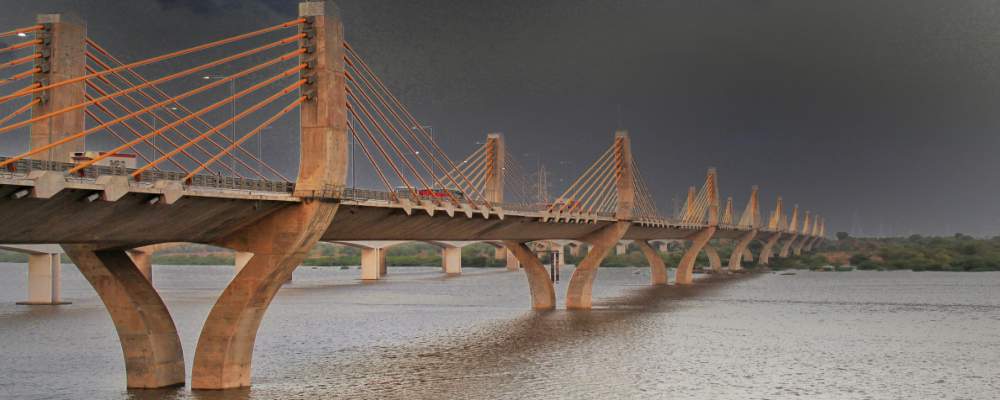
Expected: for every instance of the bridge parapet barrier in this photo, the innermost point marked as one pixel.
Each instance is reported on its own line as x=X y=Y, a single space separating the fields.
x=23 y=167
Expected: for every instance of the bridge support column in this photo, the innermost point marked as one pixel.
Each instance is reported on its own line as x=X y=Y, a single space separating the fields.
x=685 y=268
x=513 y=264
x=372 y=263
x=621 y=249
x=543 y=294
x=152 y=349
x=451 y=260
x=797 y=247
x=581 y=284
x=787 y=246
x=748 y=255
x=657 y=268
x=500 y=253
x=282 y=239
x=143 y=261
x=768 y=250
x=575 y=250
x=663 y=247
x=241 y=259
x=44 y=280
x=714 y=262
x=740 y=250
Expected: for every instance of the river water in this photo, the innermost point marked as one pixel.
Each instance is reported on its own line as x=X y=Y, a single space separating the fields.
x=419 y=335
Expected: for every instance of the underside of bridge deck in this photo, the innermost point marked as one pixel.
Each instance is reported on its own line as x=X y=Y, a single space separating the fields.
x=130 y=221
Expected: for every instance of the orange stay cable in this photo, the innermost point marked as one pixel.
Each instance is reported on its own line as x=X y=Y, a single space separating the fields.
x=383 y=152
x=414 y=121
x=391 y=143
x=161 y=80
x=164 y=79
x=20 y=110
x=20 y=45
x=175 y=54
x=22 y=30
x=129 y=127
x=15 y=63
x=116 y=134
x=223 y=125
x=445 y=171
x=371 y=159
x=250 y=134
x=119 y=119
x=20 y=76
x=156 y=89
x=392 y=126
x=143 y=121
x=361 y=73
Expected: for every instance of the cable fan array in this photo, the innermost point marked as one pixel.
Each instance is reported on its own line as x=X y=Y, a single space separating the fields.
x=595 y=192
x=700 y=203
x=407 y=160
x=489 y=162
x=20 y=67
x=174 y=140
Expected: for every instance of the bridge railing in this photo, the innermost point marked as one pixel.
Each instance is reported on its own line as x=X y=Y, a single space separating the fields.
x=21 y=168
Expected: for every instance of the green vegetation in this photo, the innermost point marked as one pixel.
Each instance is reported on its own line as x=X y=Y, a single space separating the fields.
x=404 y=255
x=12 y=257
x=918 y=253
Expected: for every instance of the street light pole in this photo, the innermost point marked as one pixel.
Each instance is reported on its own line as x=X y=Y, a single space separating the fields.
x=232 y=94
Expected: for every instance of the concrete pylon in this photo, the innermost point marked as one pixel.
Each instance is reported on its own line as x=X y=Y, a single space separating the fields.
x=657 y=268
x=793 y=231
x=283 y=239
x=496 y=153
x=581 y=283
x=65 y=35
x=373 y=263
x=151 y=346
x=44 y=279
x=451 y=260
x=621 y=249
x=543 y=294
x=625 y=182
x=513 y=264
x=803 y=236
x=685 y=268
x=500 y=253
x=768 y=250
x=740 y=249
x=714 y=262
x=580 y=291
x=240 y=260
x=144 y=261
x=575 y=249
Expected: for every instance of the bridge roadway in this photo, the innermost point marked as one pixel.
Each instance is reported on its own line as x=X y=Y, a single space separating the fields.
x=40 y=209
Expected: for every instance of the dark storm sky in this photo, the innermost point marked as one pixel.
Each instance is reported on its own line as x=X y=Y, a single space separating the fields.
x=873 y=113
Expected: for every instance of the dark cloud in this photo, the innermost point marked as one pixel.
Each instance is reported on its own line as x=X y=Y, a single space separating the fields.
x=875 y=112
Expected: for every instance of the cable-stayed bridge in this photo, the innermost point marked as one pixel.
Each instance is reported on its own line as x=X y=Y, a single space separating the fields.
x=176 y=164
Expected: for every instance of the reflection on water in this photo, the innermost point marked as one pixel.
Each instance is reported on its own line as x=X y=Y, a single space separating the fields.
x=419 y=335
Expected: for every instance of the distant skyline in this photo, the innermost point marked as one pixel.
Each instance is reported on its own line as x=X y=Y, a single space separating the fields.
x=874 y=114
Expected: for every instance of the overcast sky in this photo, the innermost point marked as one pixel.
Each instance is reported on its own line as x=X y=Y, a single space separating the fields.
x=872 y=113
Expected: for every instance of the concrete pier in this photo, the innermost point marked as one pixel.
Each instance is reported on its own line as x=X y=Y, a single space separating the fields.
x=44 y=280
